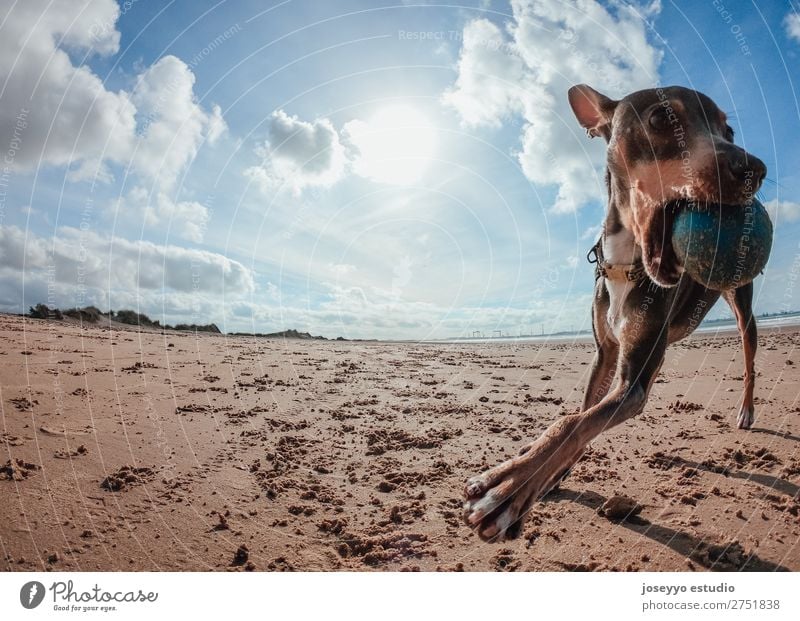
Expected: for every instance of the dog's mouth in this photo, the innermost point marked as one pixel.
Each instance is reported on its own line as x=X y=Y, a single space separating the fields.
x=658 y=255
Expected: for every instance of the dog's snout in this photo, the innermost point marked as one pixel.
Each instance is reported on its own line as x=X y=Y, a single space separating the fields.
x=745 y=168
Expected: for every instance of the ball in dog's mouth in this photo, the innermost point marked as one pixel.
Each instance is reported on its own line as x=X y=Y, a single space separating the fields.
x=722 y=246
x=658 y=254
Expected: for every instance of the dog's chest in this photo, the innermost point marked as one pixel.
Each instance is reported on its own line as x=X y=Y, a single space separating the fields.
x=619 y=248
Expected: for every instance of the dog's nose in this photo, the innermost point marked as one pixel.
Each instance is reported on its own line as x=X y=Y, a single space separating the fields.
x=745 y=167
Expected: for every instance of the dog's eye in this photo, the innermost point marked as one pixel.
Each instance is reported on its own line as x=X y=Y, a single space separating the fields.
x=659 y=120
x=729 y=133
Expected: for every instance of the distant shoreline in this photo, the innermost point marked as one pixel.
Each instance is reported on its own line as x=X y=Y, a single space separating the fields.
x=713 y=326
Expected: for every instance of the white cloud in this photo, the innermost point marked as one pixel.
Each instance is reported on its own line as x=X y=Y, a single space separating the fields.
x=592 y=232
x=171 y=127
x=792 y=24
x=783 y=211
x=171 y=123
x=216 y=126
x=69 y=114
x=527 y=69
x=299 y=154
x=341 y=269
x=185 y=219
x=490 y=76
x=55 y=111
x=76 y=258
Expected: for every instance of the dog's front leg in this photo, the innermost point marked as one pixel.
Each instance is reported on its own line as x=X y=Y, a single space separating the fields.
x=604 y=364
x=498 y=499
x=741 y=302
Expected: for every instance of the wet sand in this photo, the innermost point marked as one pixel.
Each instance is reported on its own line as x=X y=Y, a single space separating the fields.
x=126 y=450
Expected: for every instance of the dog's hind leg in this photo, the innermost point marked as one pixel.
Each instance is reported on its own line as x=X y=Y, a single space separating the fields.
x=741 y=302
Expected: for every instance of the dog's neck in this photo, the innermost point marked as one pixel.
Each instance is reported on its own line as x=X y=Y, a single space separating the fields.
x=619 y=243
x=619 y=248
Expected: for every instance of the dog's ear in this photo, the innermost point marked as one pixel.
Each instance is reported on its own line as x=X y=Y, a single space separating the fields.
x=592 y=109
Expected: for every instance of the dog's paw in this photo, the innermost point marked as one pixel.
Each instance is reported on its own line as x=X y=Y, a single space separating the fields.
x=498 y=500
x=746 y=417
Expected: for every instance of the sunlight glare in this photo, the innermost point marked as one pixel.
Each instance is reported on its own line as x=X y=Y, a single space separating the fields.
x=396 y=145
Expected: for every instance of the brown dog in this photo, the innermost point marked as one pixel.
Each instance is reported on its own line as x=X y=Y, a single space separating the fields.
x=663 y=145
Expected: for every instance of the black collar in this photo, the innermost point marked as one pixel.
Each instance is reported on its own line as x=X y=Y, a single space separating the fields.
x=627 y=272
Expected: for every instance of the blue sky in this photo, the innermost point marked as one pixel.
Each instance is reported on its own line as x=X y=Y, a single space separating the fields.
x=365 y=169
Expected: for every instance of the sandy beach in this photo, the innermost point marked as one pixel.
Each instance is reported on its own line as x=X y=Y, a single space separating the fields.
x=127 y=450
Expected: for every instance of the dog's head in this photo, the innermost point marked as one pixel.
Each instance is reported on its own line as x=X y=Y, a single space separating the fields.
x=666 y=144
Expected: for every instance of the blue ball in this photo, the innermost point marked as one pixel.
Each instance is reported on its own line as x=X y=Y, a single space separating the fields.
x=722 y=246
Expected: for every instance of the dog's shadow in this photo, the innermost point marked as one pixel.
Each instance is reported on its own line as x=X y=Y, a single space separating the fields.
x=705 y=552
x=780 y=434
x=773 y=483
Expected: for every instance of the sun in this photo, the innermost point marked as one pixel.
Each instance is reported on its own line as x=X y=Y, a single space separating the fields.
x=396 y=145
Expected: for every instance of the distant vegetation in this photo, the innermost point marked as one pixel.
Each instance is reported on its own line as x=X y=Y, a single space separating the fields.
x=92 y=314
x=89 y=314
x=192 y=327
x=285 y=334
x=132 y=318
x=43 y=311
